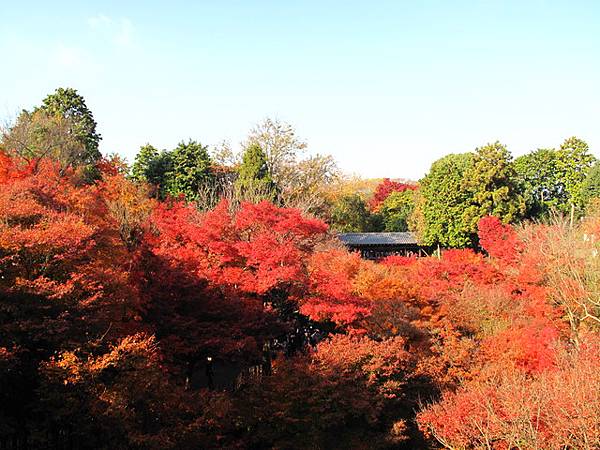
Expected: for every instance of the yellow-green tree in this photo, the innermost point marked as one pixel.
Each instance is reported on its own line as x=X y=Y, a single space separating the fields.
x=396 y=210
x=491 y=182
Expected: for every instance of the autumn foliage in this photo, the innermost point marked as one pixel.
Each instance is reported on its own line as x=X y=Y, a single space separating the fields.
x=114 y=305
x=384 y=189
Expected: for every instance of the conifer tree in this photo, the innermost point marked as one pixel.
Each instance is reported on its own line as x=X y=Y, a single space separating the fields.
x=254 y=182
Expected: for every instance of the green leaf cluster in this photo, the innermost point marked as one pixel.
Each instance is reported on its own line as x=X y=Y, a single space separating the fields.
x=491 y=183
x=396 y=210
x=551 y=179
x=190 y=170
x=541 y=183
x=574 y=164
x=590 y=188
x=254 y=182
x=66 y=102
x=182 y=171
x=462 y=188
x=439 y=218
x=351 y=215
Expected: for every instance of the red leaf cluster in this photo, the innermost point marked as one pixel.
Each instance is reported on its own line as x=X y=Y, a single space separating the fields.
x=260 y=248
x=112 y=301
x=384 y=189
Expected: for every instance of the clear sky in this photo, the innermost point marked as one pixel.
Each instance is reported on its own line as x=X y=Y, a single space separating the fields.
x=385 y=87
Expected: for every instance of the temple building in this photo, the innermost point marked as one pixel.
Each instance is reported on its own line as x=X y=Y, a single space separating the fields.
x=380 y=245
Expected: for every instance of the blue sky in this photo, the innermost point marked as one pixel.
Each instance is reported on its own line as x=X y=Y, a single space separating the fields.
x=385 y=87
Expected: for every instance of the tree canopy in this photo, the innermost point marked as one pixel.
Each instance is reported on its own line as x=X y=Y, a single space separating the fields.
x=542 y=184
x=396 y=210
x=153 y=167
x=301 y=180
x=185 y=170
x=137 y=318
x=190 y=170
x=351 y=215
x=254 y=180
x=552 y=179
x=574 y=163
x=590 y=188
x=281 y=146
x=491 y=182
x=62 y=128
x=461 y=189
x=443 y=201
x=67 y=102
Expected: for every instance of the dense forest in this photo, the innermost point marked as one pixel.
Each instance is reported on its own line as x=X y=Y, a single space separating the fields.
x=199 y=298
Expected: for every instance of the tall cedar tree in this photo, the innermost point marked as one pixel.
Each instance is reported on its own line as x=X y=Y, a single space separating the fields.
x=254 y=181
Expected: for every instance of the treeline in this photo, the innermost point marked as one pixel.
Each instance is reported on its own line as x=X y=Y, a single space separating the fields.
x=121 y=297
x=442 y=208
x=461 y=189
x=271 y=166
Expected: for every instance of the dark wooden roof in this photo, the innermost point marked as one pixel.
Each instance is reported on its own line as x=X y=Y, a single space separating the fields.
x=360 y=239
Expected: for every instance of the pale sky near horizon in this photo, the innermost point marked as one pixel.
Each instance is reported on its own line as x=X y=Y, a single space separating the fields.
x=386 y=87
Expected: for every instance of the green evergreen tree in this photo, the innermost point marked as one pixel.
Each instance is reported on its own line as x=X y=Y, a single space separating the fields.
x=492 y=184
x=254 y=181
x=141 y=169
x=154 y=167
x=62 y=128
x=552 y=179
x=70 y=105
x=191 y=169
